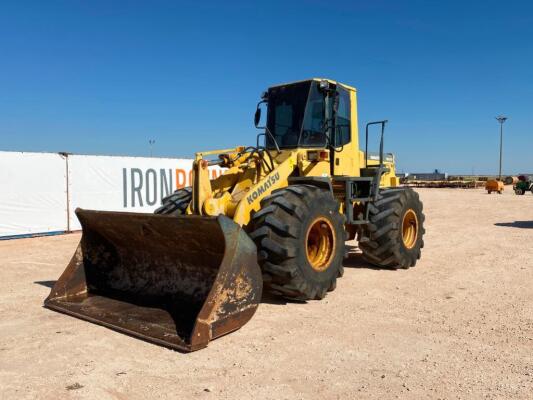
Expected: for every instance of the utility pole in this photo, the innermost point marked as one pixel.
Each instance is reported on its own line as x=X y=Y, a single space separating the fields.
x=501 y=119
x=152 y=142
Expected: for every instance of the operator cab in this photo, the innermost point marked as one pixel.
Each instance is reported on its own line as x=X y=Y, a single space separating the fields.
x=312 y=113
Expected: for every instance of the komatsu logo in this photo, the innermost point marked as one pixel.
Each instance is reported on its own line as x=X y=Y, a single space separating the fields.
x=263 y=188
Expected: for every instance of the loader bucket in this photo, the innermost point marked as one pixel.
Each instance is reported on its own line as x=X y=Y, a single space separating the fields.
x=175 y=281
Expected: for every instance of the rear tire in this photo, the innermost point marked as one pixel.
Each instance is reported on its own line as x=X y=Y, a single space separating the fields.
x=300 y=236
x=519 y=191
x=176 y=203
x=393 y=238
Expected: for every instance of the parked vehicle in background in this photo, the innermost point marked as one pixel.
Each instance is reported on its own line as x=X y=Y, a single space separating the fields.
x=523 y=185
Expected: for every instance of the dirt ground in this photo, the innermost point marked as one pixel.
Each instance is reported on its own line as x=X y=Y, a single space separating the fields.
x=458 y=325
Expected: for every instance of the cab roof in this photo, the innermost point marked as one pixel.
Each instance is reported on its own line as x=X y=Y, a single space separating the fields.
x=317 y=80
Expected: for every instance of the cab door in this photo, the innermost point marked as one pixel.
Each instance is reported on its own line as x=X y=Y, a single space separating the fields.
x=345 y=158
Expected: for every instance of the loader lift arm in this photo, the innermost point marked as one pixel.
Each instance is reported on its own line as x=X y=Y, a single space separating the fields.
x=206 y=199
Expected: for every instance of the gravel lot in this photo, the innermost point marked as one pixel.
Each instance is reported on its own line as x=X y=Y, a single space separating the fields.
x=458 y=325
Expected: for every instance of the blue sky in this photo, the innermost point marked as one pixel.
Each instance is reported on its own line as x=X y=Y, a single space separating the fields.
x=103 y=77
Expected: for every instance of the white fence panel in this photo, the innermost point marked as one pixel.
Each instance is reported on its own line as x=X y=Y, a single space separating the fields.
x=32 y=193
x=36 y=196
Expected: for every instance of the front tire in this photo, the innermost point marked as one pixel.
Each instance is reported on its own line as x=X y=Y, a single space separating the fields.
x=393 y=238
x=300 y=236
x=176 y=203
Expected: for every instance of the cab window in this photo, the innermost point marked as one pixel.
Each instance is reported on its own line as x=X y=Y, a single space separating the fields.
x=343 y=118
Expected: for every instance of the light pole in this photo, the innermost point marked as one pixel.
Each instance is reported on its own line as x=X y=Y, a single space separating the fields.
x=152 y=142
x=501 y=119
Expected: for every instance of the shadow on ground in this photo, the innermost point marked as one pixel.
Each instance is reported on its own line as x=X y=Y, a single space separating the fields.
x=517 y=224
x=271 y=298
x=355 y=260
x=48 y=284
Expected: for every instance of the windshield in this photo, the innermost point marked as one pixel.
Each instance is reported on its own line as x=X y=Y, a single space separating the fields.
x=296 y=115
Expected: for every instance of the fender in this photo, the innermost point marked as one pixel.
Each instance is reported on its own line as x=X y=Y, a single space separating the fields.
x=318 y=181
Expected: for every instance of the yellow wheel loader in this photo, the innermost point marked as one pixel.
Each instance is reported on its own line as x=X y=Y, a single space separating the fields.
x=278 y=217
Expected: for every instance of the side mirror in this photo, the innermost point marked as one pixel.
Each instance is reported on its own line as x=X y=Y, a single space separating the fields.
x=257 y=116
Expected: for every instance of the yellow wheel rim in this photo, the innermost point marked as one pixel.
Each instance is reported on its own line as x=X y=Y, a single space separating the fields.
x=409 y=229
x=320 y=244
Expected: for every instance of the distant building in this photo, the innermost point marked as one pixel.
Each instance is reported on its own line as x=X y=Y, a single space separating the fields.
x=427 y=176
